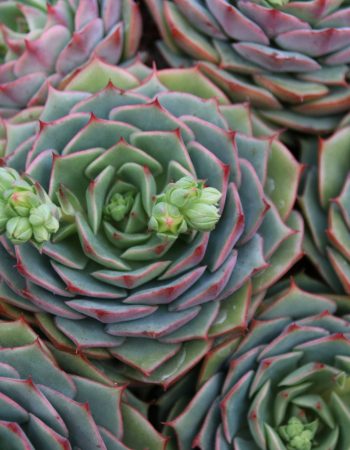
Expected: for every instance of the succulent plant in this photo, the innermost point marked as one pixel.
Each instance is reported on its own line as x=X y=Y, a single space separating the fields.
x=42 y=43
x=284 y=386
x=44 y=407
x=173 y=218
x=326 y=208
x=290 y=59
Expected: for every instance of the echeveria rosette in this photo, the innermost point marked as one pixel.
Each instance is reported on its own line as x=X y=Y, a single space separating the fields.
x=154 y=300
x=326 y=208
x=53 y=400
x=42 y=43
x=290 y=59
x=284 y=386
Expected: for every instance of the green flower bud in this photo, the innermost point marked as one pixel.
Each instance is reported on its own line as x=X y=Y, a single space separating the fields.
x=294 y=427
x=21 y=202
x=298 y=435
x=7 y=177
x=201 y=217
x=119 y=206
x=43 y=222
x=19 y=230
x=210 y=196
x=182 y=192
x=194 y=206
x=167 y=219
x=300 y=443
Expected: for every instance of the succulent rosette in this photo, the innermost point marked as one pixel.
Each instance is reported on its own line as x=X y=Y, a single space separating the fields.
x=42 y=43
x=173 y=218
x=290 y=59
x=43 y=406
x=284 y=386
x=326 y=208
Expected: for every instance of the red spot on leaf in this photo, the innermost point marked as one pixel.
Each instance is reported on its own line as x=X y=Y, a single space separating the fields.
x=128 y=280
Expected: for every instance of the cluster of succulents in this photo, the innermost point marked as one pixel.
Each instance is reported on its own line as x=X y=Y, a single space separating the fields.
x=290 y=59
x=155 y=224
x=43 y=43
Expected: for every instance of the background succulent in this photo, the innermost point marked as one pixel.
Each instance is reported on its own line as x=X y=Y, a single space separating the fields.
x=43 y=42
x=42 y=406
x=325 y=204
x=154 y=299
x=289 y=58
x=285 y=385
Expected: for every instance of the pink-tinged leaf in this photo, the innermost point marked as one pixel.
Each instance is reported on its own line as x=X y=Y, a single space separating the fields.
x=290 y=90
x=145 y=355
x=43 y=52
x=97 y=248
x=132 y=21
x=87 y=333
x=197 y=328
x=132 y=279
x=18 y=93
x=80 y=47
x=341 y=267
x=238 y=89
x=31 y=398
x=51 y=303
x=188 y=257
x=334 y=165
x=9 y=409
x=271 y=20
x=313 y=10
x=35 y=267
x=110 y=48
x=236 y=24
x=83 y=431
x=42 y=435
x=234 y=406
x=334 y=103
x=315 y=43
x=195 y=412
x=186 y=37
x=59 y=14
x=156 y=325
x=86 y=13
x=12 y=435
x=250 y=260
x=139 y=432
x=253 y=201
x=327 y=347
x=288 y=253
x=166 y=291
x=276 y=60
x=341 y=57
x=34 y=17
x=111 y=13
x=6 y=71
x=199 y=16
x=81 y=283
x=208 y=288
x=22 y=301
x=298 y=122
x=110 y=311
x=339 y=19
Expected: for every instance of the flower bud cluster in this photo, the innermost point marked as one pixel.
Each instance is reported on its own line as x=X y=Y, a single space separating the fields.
x=185 y=205
x=26 y=211
x=119 y=206
x=299 y=435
